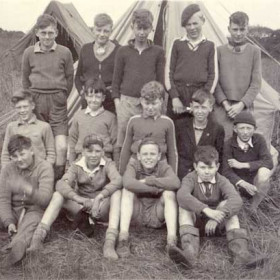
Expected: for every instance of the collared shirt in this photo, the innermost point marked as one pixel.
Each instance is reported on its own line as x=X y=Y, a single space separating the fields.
x=82 y=163
x=37 y=48
x=132 y=44
x=198 y=131
x=203 y=185
x=193 y=45
x=94 y=113
x=244 y=145
x=33 y=119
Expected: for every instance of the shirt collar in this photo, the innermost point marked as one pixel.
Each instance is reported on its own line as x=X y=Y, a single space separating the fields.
x=194 y=44
x=243 y=145
x=213 y=181
x=83 y=165
x=37 y=47
x=33 y=119
x=88 y=111
x=199 y=127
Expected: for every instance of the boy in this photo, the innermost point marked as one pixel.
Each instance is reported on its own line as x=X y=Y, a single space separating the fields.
x=93 y=119
x=28 y=125
x=197 y=131
x=90 y=188
x=209 y=201
x=47 y=71
x=136 y=64
x=240 y=73
x=192 y=64
x=148 y=196
x=247 y=161
x=150 y=124
x=26 y=187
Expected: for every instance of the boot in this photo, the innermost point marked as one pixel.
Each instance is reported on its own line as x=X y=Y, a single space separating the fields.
x=38 y=238
x=238 y=249
x=109 y=251
x=15 y=255
x=123 y=248
x=190 y=245
x=59 y=171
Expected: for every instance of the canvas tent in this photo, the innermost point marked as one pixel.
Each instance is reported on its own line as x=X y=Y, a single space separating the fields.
x=73 y=32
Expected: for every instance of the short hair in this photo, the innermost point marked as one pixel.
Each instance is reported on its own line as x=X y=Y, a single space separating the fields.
x=96 y=85
x=143 y=18
x=206 y=154
x=239 y=18
x=45 y=20
x=201 y=95
x=102 y=19
x=152 y=90
x=22 y=94
x=92 y=139
x=148 y=141
x=17 y=143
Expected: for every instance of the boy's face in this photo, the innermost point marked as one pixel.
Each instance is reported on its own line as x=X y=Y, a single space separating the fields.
x=151 y=108
x=244 y=131
x=237 y=32
x=24 y=110
x=206 y=172
x=194 y=26
x=23 y=159
x=46 y=36
x=201 y=111
x=94 y=99
x=141 y=33
x=149 y=156
x=93 y=155
x=102 y=33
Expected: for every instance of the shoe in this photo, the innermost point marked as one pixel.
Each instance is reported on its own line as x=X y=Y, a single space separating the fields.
x=81 y=222
x=123 y=249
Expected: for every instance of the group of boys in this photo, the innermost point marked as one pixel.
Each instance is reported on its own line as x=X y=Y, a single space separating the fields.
x=141 y=186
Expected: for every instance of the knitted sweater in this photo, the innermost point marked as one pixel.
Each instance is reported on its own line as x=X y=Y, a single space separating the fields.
x=104 y=125
x=191 y=197
x=160 y=129
x=40 y=175
x=240 y=74
x=160 y=179
x=257 y=156
x=47 y=72
x=40 y=134
x=105 y=179
x=90 y=67
x=192 y=67
x=134 y=69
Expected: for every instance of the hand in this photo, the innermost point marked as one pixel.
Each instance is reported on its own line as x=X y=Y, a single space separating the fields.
x=96 y=205
x=12 y=229
x=79 y=199
x=210 y=227
x=177 y=105
x=142 y=181
x=233 y=163
x=88 y=204
x=251 y=189
x=226 y=105
x=216 y=215
x=235 y=109
x=109 y=88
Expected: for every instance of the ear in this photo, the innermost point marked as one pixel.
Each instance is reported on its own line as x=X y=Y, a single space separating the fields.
x=234 y=129
x=194 y=166
x=218 y=165
x=32 y=105
x=138 y=156
x=103 y=97
x=37 y=32
x=159 y=156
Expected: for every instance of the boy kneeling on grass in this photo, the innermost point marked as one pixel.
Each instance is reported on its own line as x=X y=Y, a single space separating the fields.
x=209 y=201
x=148 y=197
x=89 y=189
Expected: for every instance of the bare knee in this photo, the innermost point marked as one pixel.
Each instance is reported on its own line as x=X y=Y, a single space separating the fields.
x=263 y=175
x=126 y=194
x=116 y=195
x=57 y=199
x=169 y=195
x=61 y=143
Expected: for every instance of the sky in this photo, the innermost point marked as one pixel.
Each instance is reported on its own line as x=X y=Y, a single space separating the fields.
x=20 y=15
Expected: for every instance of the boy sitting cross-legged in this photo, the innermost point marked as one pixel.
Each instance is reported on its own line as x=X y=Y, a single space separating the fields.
x=97 y=196
x=93 y=120
x=209 y=201
x=148 y=196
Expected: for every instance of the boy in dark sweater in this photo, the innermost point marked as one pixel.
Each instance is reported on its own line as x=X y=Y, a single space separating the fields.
x=136 y=64
x=47 y=71
x=26 y=187
x=148 y=197
x=89 y=189
x=239 y=73
x=209 y=201
x=200 y=130
x=192 y=64
x=93 y=120
x=247 y=161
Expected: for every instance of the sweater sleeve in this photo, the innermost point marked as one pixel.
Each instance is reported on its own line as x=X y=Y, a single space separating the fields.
x=79 y=72
x=212 y=70
x=69 y=71
x=49 y=144
x=256 y=79
x=5 y=157
x=25 y=70
x=126 y=149
x=219 y=145
x=73 y=138
x=172 y=153
x=118 y=73
x=160 y=66
x=185 y=198
x=114 y=177
x=233 y=199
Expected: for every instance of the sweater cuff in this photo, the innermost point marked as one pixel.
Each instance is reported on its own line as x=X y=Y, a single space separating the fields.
x=200 y=208
x=71 y=194
x=8 y=222
x=105 y=193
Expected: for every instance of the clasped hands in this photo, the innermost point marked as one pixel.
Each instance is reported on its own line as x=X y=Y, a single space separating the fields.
x=234 y=109
x=216 y=217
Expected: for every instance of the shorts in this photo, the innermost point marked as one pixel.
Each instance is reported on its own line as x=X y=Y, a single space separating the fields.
x=146 y=212
x=52 y=108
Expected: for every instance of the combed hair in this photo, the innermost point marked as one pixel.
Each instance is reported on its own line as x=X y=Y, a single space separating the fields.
x=201 y=95
x=148 y=141
x=92 y=139
x=143 y=18
x=239 y=18
x=96 y=85
x=153 y=90
x=102 y=19
x=18 y=142
x=206 y=154
x=24 y=94
x=45 y=20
